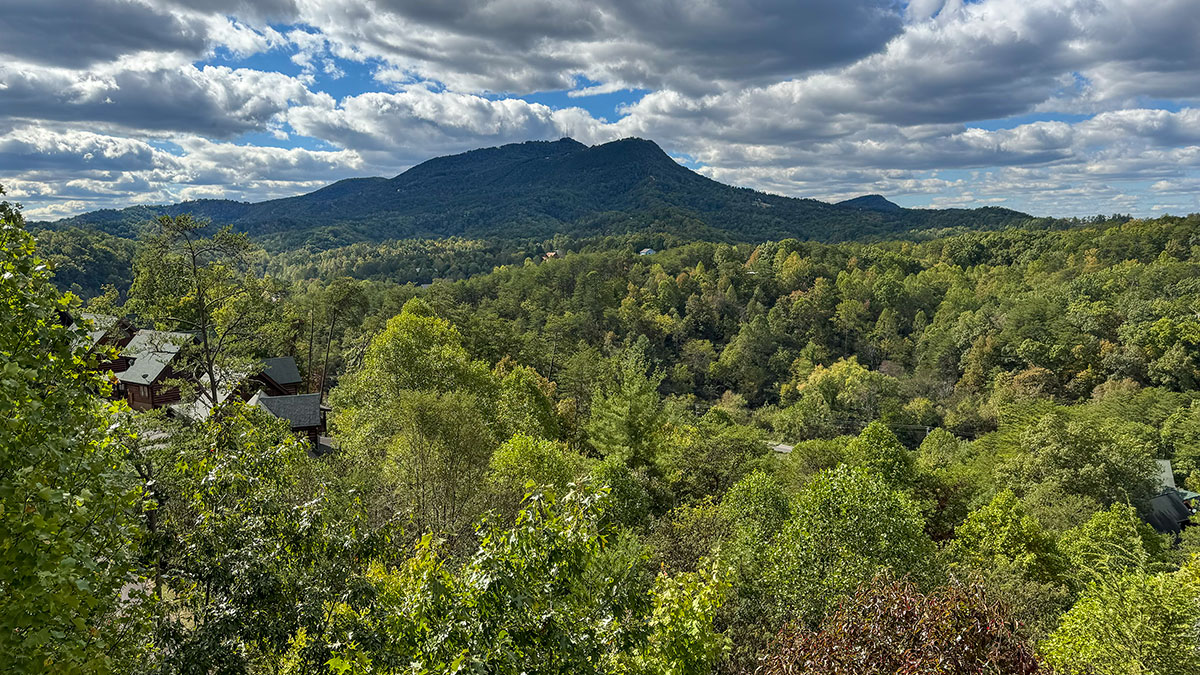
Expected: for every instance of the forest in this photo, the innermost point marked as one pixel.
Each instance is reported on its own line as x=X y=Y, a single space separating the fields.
x=925 y=454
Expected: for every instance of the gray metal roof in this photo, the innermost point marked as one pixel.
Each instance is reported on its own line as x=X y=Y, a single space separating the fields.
x=151 y=351
x=1166 y=477
x=303 y=411
x=282 y=370
x=101 y=324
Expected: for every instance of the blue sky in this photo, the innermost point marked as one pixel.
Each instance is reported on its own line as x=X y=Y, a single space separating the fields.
x=1055 y=107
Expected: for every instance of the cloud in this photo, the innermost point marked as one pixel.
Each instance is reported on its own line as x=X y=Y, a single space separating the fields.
x=68 y=33
x=218 y=101
x=71 y=167
x=402 y=128
x=530 y=45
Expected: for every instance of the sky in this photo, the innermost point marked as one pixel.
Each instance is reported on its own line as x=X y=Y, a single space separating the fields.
x=1053 y=107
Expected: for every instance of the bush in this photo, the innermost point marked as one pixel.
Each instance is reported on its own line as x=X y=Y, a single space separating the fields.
x=889 y=626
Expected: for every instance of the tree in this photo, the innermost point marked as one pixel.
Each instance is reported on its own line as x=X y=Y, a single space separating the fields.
x=255 y=540
x=525 y=404
x=1103 y=461
x=878 y=450
x=627 y=416
x=529 y=600
x=1113 y=541
x=1016 y=559
x=1131 y=623
x=524 y=462
x=889 y=626
x=1000 y=532
x=756 y=506
x=343 y=298
x=186 y=281
x=846 y=525
x=711 y=456
x=68 y=502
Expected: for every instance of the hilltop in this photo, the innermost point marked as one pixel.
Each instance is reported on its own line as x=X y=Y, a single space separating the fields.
x=542 y=188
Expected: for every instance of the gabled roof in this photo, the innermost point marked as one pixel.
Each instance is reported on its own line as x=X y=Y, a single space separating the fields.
x=282 y=370
x=303 y=411
x=1167 y=512
x=1166 y=477
x=151 y=351
x=101 y=324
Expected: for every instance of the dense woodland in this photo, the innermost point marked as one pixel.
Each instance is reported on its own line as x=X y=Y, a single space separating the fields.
x=566 y=465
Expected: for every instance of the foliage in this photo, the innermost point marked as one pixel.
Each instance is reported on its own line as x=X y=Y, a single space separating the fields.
x=889 y=626
x=522 y=604
x=1001 y=531
x=251 y=540
x=524 y=462
x=1016 y=559
x=1103 y=462
x=846 y=525
x=203 y=286
x=627 y=418
x=1131 y=623
x=688 y=534
x=878 y=450
x=757 y=506
x=68 y=505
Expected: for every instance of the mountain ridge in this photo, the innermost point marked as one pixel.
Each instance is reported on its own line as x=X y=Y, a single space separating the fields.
x=541 y=188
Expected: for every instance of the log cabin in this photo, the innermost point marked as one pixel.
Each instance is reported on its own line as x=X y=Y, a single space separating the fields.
x=149 y=355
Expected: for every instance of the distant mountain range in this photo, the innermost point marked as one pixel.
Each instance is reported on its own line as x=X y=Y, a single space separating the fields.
x=540 y=188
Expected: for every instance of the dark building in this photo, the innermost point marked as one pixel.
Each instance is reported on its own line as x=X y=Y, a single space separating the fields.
x=304 y=413
x=279 y=376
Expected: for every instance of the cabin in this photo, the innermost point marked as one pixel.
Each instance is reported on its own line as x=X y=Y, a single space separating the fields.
x=304 y=412
x=647 y=251
x=107 y=331
x=147 y=359
x=279 y=377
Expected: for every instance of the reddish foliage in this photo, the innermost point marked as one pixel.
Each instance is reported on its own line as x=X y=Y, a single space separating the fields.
x=889 y=626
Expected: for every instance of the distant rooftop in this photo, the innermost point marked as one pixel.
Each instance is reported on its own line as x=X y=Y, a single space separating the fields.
x=101 y=324
x=282 y=370
x=303 y=411
x=151 y=351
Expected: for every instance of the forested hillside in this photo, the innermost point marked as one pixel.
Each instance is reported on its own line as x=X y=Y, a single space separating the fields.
x=785 y=456
x=538 y=189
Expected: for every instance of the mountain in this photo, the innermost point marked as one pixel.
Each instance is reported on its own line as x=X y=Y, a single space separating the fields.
x=871 y=203
x=540 y=188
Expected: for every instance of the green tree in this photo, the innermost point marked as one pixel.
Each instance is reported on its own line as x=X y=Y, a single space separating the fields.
x=523 y=462
x=1131 y=623
x=846 y=526
x=68 y=502
x=1016 y=559
x=1104 y=461
x=878 y=450
x=628 y=416
x=253 y=539
x=1113 y=541
x=528 y=601
x=756 y=506
x=1001 y=533
x=204 y=286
